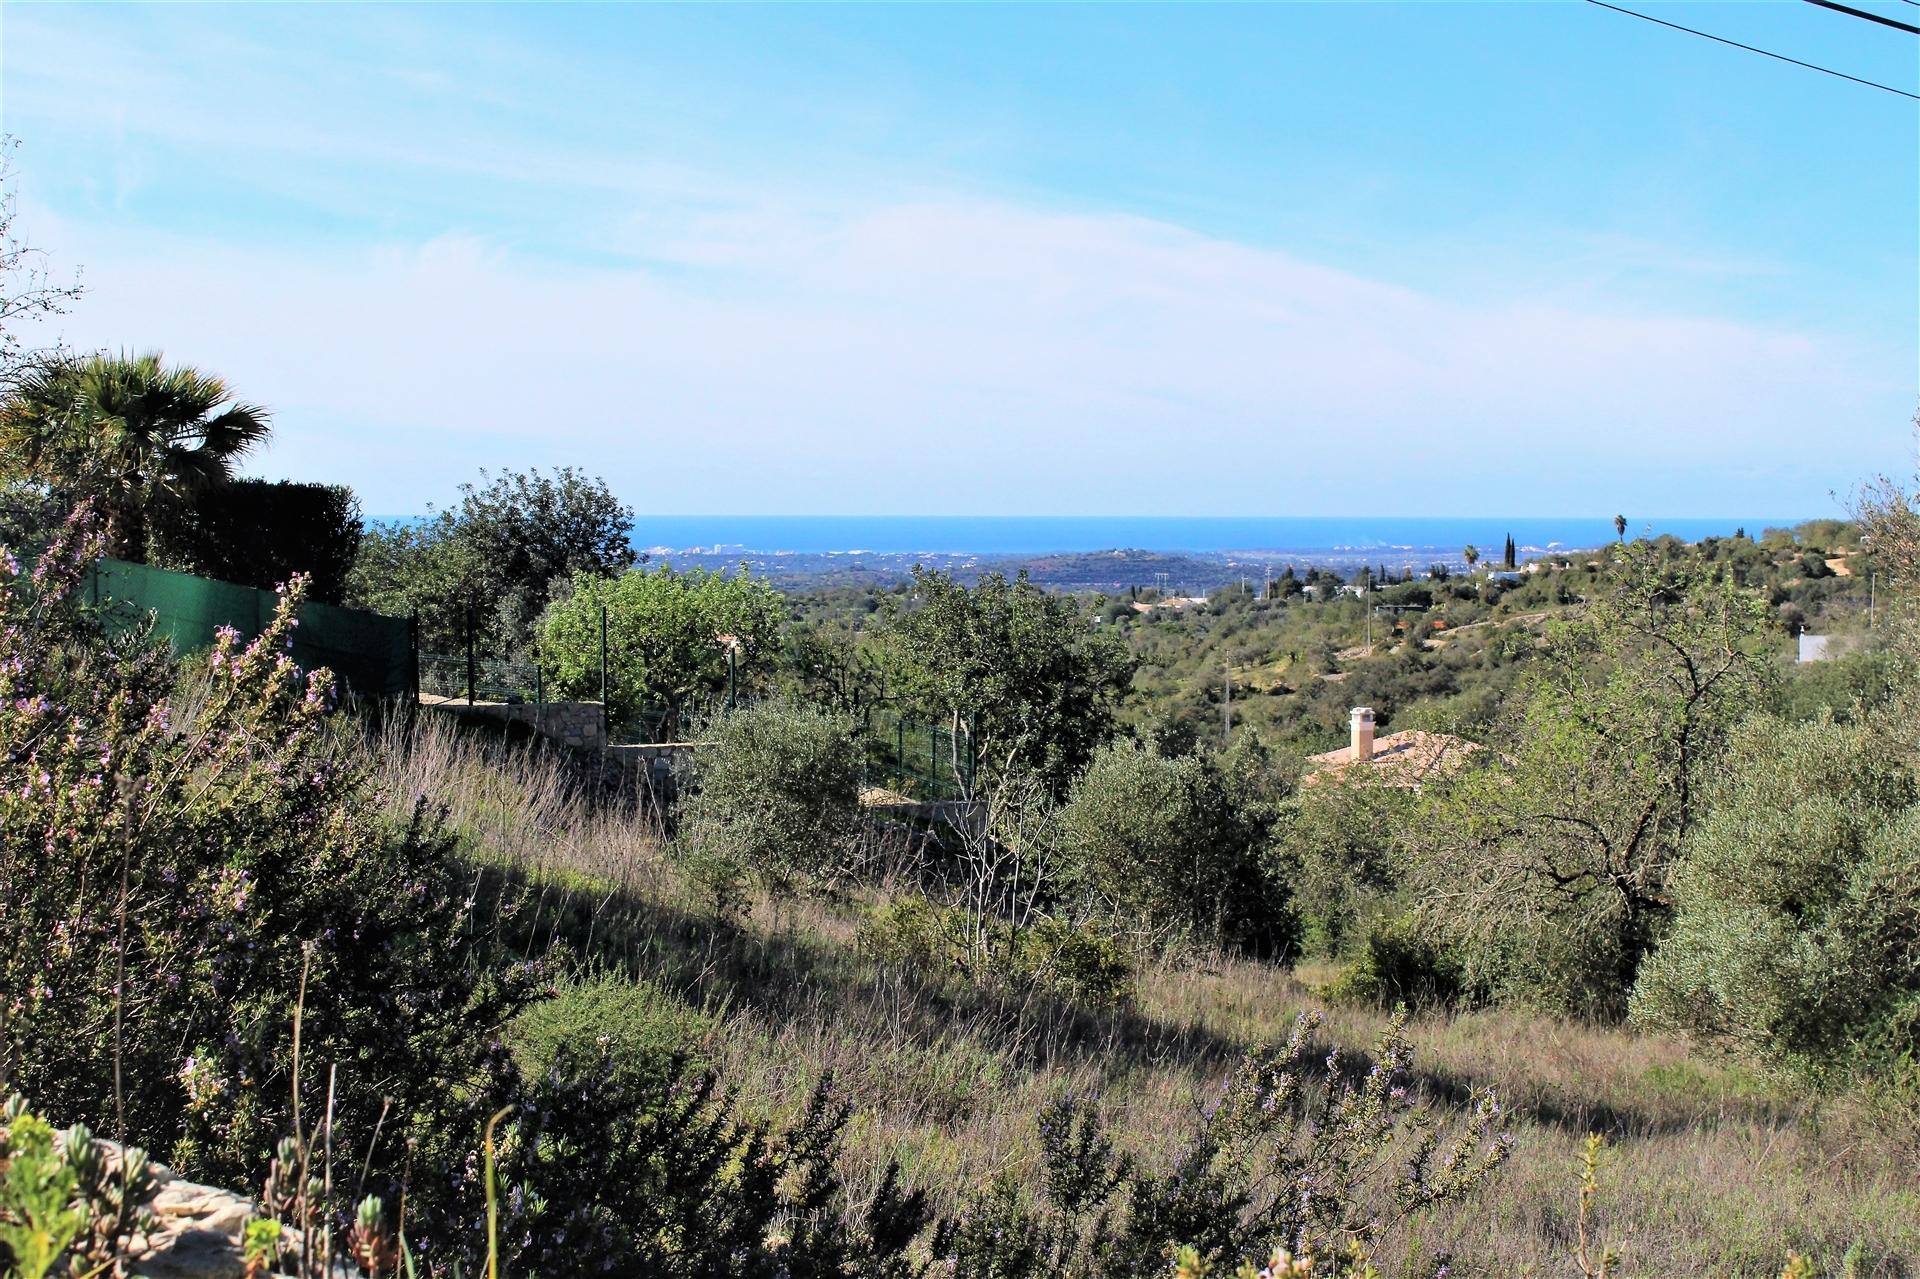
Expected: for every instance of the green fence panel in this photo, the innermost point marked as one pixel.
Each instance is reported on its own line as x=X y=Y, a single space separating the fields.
x=369 y=653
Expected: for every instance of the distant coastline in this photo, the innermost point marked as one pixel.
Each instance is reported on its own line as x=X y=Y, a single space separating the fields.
x=1108 y=553
x=1319 y=539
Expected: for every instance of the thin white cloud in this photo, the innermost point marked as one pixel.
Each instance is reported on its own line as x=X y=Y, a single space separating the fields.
x=715 y=332
x=961 y=355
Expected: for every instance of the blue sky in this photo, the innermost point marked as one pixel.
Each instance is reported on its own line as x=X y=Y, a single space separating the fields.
x=1288 y=259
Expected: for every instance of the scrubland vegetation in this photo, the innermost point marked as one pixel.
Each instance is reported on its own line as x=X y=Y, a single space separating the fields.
x=763 y=1029
x=1635 y=991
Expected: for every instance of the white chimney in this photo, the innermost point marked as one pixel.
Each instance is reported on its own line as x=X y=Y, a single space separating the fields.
x=1362 y=733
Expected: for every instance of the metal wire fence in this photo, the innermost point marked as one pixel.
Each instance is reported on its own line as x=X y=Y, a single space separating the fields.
x=901 y=752
x=454 y=677
x=922 y=760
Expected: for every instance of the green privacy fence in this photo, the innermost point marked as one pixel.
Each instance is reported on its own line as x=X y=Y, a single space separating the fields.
x=370 y=653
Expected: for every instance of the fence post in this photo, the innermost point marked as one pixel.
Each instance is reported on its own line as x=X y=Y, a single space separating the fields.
x=469 y=654
x=606 y=725
x=413 y=668
x=973 y=757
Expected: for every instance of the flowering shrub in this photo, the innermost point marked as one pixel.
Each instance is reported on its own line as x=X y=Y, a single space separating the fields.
x=176 y=871
x=1318 y=1167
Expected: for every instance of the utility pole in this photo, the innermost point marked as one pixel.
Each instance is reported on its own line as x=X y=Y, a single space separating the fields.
x=1226 y=728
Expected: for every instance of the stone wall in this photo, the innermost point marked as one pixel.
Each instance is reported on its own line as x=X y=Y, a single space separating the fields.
x=580 y=725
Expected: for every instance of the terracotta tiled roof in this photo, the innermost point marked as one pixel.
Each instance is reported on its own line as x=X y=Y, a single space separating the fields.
x=1406 y=758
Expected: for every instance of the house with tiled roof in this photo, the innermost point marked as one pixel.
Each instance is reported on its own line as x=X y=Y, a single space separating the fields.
x=1410 y=757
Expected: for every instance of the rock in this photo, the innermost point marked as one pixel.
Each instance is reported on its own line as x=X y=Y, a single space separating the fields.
x=195 y=1229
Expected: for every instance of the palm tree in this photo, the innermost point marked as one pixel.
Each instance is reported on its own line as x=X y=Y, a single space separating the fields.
x=1472 y=556
x=1620 y=527
x=129 y=433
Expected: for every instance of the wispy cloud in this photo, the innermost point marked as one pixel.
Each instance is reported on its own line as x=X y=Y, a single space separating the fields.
x=965 y=356
x=426 y=260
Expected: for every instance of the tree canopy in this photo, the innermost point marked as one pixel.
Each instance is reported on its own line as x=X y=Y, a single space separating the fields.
x=1019 y=668
x=494 y=559
x=668 y=636
x=1796 y=932
x=1564 y=856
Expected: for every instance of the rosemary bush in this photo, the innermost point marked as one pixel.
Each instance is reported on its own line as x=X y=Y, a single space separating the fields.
x=1318 y=1166
x=181 y=863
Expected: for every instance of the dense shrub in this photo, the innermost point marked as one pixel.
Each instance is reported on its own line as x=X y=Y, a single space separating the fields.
x=1398 y=962
x=1176 y=844
x=629 y=1165
x=1343 y=843
x=1846 y=687
x=1081 y=963
x=777 y=794
x=261 y=534
x=1796 y=931
x=627 y=1017
x=219 y=862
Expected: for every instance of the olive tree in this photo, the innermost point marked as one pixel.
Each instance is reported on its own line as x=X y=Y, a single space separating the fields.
x=1020 y=669
x=1553 y=870
x=776 y=793
x=1175 y=845
x=1796 y=922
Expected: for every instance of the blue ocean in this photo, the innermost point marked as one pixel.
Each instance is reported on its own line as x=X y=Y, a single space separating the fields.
x=1300 y=536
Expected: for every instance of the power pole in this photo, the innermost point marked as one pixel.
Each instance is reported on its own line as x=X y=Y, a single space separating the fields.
x=1226 y=728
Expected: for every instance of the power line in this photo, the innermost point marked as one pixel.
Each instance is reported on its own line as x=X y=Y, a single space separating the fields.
x=1870 y=17
x=1871 y=84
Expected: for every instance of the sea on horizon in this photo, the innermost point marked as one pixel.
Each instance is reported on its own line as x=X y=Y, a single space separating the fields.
x=1299 y=536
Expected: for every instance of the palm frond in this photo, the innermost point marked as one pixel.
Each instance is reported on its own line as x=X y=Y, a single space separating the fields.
x=238 y=429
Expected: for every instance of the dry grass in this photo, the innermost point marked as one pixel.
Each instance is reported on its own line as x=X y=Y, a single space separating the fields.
x=1711 y=1170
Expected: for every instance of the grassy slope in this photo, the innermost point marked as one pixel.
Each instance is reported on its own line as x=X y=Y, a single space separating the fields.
x=1712 y=1171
